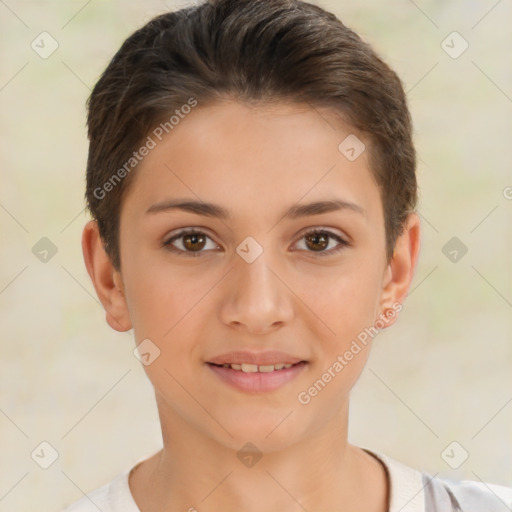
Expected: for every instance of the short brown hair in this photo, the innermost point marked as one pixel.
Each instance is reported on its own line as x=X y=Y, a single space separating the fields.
x=247 y=50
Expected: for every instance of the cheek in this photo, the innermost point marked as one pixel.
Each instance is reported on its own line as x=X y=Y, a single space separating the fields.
x=168 y=308
x=161 y=296
x=343 y=298
x=347 y=306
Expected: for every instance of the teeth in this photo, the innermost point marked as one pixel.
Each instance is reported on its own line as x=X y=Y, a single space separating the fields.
x=249 y=368
x=253 y=368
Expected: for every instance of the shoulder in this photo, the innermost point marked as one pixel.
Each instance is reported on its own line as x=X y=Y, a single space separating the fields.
x=97 y=499
x=465 y=495
x=113 y=496
x=412 y=490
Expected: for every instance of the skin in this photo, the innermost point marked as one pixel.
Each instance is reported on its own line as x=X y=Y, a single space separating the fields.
x=256 y=161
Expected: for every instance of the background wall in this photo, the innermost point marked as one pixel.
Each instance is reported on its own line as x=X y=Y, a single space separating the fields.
x=441 y=374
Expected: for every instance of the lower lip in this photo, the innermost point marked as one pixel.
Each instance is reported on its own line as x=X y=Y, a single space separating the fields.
x=258 y=382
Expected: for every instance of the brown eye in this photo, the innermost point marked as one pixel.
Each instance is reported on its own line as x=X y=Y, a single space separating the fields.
x=318 y=240
x=194 y=242
x=190 y=243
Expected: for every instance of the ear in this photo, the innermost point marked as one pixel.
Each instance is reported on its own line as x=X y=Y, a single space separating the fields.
x=106 y=280
x=400 y=270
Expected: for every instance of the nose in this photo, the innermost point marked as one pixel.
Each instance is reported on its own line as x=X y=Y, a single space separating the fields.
x=256 y=298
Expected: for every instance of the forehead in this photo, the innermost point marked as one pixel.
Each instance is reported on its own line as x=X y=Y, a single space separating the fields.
x=255 y=156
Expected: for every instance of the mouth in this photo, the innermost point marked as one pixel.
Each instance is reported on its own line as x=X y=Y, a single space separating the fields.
x=254 y=368
x=255 y=379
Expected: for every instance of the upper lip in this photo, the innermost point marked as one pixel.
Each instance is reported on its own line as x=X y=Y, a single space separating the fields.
x=270 y=357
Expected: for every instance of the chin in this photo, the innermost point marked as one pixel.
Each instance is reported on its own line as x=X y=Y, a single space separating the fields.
x=267 y=434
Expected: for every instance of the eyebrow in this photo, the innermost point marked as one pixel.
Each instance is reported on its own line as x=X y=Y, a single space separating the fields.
x=294 y=212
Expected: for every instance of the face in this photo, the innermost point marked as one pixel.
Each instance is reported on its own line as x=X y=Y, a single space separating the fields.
x=258 y=276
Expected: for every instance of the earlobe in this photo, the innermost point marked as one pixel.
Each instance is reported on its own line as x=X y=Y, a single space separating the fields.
x=106 y=280
x=400 y=270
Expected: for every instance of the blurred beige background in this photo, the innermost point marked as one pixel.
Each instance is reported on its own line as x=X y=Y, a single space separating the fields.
x=441 y=374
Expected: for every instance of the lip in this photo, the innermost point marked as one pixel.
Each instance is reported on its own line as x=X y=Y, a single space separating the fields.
x=269 y=357
x=258 y=382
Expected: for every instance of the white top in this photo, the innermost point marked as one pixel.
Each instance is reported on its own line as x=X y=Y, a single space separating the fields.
x=410 y=491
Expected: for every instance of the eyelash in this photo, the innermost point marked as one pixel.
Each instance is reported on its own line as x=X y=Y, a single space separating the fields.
x=168 y=243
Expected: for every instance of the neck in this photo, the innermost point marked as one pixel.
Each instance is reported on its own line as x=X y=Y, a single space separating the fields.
x=322 y=471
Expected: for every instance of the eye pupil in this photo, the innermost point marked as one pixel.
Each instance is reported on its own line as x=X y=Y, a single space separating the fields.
x=191 y=239
x=318 y=239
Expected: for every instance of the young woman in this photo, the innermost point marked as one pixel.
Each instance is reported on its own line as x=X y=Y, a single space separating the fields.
x=251 y=178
